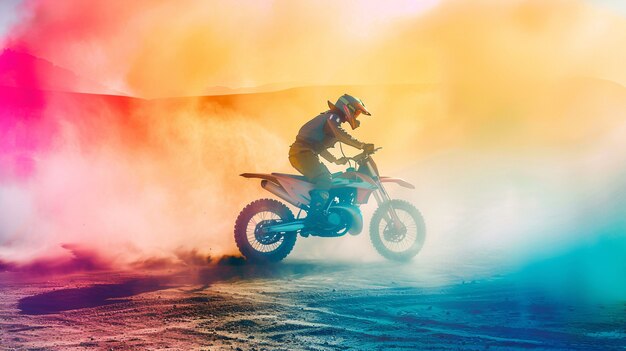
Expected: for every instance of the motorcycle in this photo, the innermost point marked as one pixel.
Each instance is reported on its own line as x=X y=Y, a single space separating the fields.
x=266 y=229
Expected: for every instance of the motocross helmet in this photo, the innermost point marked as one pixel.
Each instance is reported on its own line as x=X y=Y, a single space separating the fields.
x=351 y=107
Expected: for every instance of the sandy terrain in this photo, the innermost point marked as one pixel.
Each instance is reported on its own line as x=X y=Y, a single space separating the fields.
x=296 y=306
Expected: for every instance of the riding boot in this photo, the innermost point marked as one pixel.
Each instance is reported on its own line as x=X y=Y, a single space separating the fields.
x=315 y=216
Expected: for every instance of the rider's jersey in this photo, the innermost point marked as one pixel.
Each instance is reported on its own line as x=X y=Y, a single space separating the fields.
x=322 y=132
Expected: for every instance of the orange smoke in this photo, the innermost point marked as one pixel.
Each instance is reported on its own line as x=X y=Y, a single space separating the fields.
x=142 y=178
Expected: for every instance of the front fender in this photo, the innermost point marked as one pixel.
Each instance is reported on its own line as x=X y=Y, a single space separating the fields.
x=398 y=181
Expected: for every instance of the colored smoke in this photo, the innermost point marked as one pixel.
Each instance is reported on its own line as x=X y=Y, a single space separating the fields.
x=508 y=116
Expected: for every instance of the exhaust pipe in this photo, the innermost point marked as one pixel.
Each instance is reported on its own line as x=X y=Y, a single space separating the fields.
x=356 y=218
x=278 y=191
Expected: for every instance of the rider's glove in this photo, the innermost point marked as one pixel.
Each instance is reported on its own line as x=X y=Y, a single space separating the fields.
x=342 y=161
x=368 y=148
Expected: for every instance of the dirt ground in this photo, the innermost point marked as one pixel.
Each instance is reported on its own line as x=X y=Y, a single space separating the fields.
x=296 y=306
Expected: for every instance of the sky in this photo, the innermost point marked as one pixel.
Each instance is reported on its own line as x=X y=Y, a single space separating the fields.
x=613 y=5
x=9 y=15
x=364 y=15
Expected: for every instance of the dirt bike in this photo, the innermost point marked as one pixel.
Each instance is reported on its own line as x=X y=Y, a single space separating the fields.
x=266 y=229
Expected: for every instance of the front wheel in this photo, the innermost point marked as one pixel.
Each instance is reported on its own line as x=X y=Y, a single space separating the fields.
x=397 y=242
x=253 y=242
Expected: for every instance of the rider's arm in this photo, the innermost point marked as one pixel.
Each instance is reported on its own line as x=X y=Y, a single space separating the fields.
x=334 y=125
x=328 y=156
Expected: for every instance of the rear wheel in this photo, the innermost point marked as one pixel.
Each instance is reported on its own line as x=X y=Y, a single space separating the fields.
x=253 y=242
x=392 y=242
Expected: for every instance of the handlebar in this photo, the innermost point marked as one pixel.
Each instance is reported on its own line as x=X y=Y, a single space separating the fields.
x=363 y=155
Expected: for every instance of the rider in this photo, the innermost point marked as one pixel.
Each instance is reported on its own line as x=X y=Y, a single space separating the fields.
x=314 y=139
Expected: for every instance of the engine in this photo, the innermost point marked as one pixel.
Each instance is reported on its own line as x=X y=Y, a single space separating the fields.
x=341 y=219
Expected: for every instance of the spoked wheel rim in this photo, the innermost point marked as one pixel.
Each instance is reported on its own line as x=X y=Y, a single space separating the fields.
x=257 y=238
x=397 y=239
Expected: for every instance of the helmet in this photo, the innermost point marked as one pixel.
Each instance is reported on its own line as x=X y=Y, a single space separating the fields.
x=351 y=107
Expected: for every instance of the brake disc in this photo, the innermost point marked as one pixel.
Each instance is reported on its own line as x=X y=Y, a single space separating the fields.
x=392 y=235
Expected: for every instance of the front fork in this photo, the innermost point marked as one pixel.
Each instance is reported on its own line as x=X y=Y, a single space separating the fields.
x=391 y=216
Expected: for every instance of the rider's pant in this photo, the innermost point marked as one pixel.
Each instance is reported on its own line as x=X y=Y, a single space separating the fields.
x=308 y=163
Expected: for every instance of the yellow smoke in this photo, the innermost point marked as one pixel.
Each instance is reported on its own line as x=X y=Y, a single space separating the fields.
x=516 y=77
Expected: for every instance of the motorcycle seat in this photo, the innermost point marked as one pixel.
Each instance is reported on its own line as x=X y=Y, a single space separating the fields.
x=295 y=176
x=336 y=179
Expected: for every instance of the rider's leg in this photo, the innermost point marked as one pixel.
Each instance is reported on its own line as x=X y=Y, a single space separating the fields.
x=309 y=165
x=320 y=194
x=319 y=198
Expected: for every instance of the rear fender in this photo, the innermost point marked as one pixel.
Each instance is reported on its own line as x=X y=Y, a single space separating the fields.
x=297 y=190
x=398 y=181
x=265 y=176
